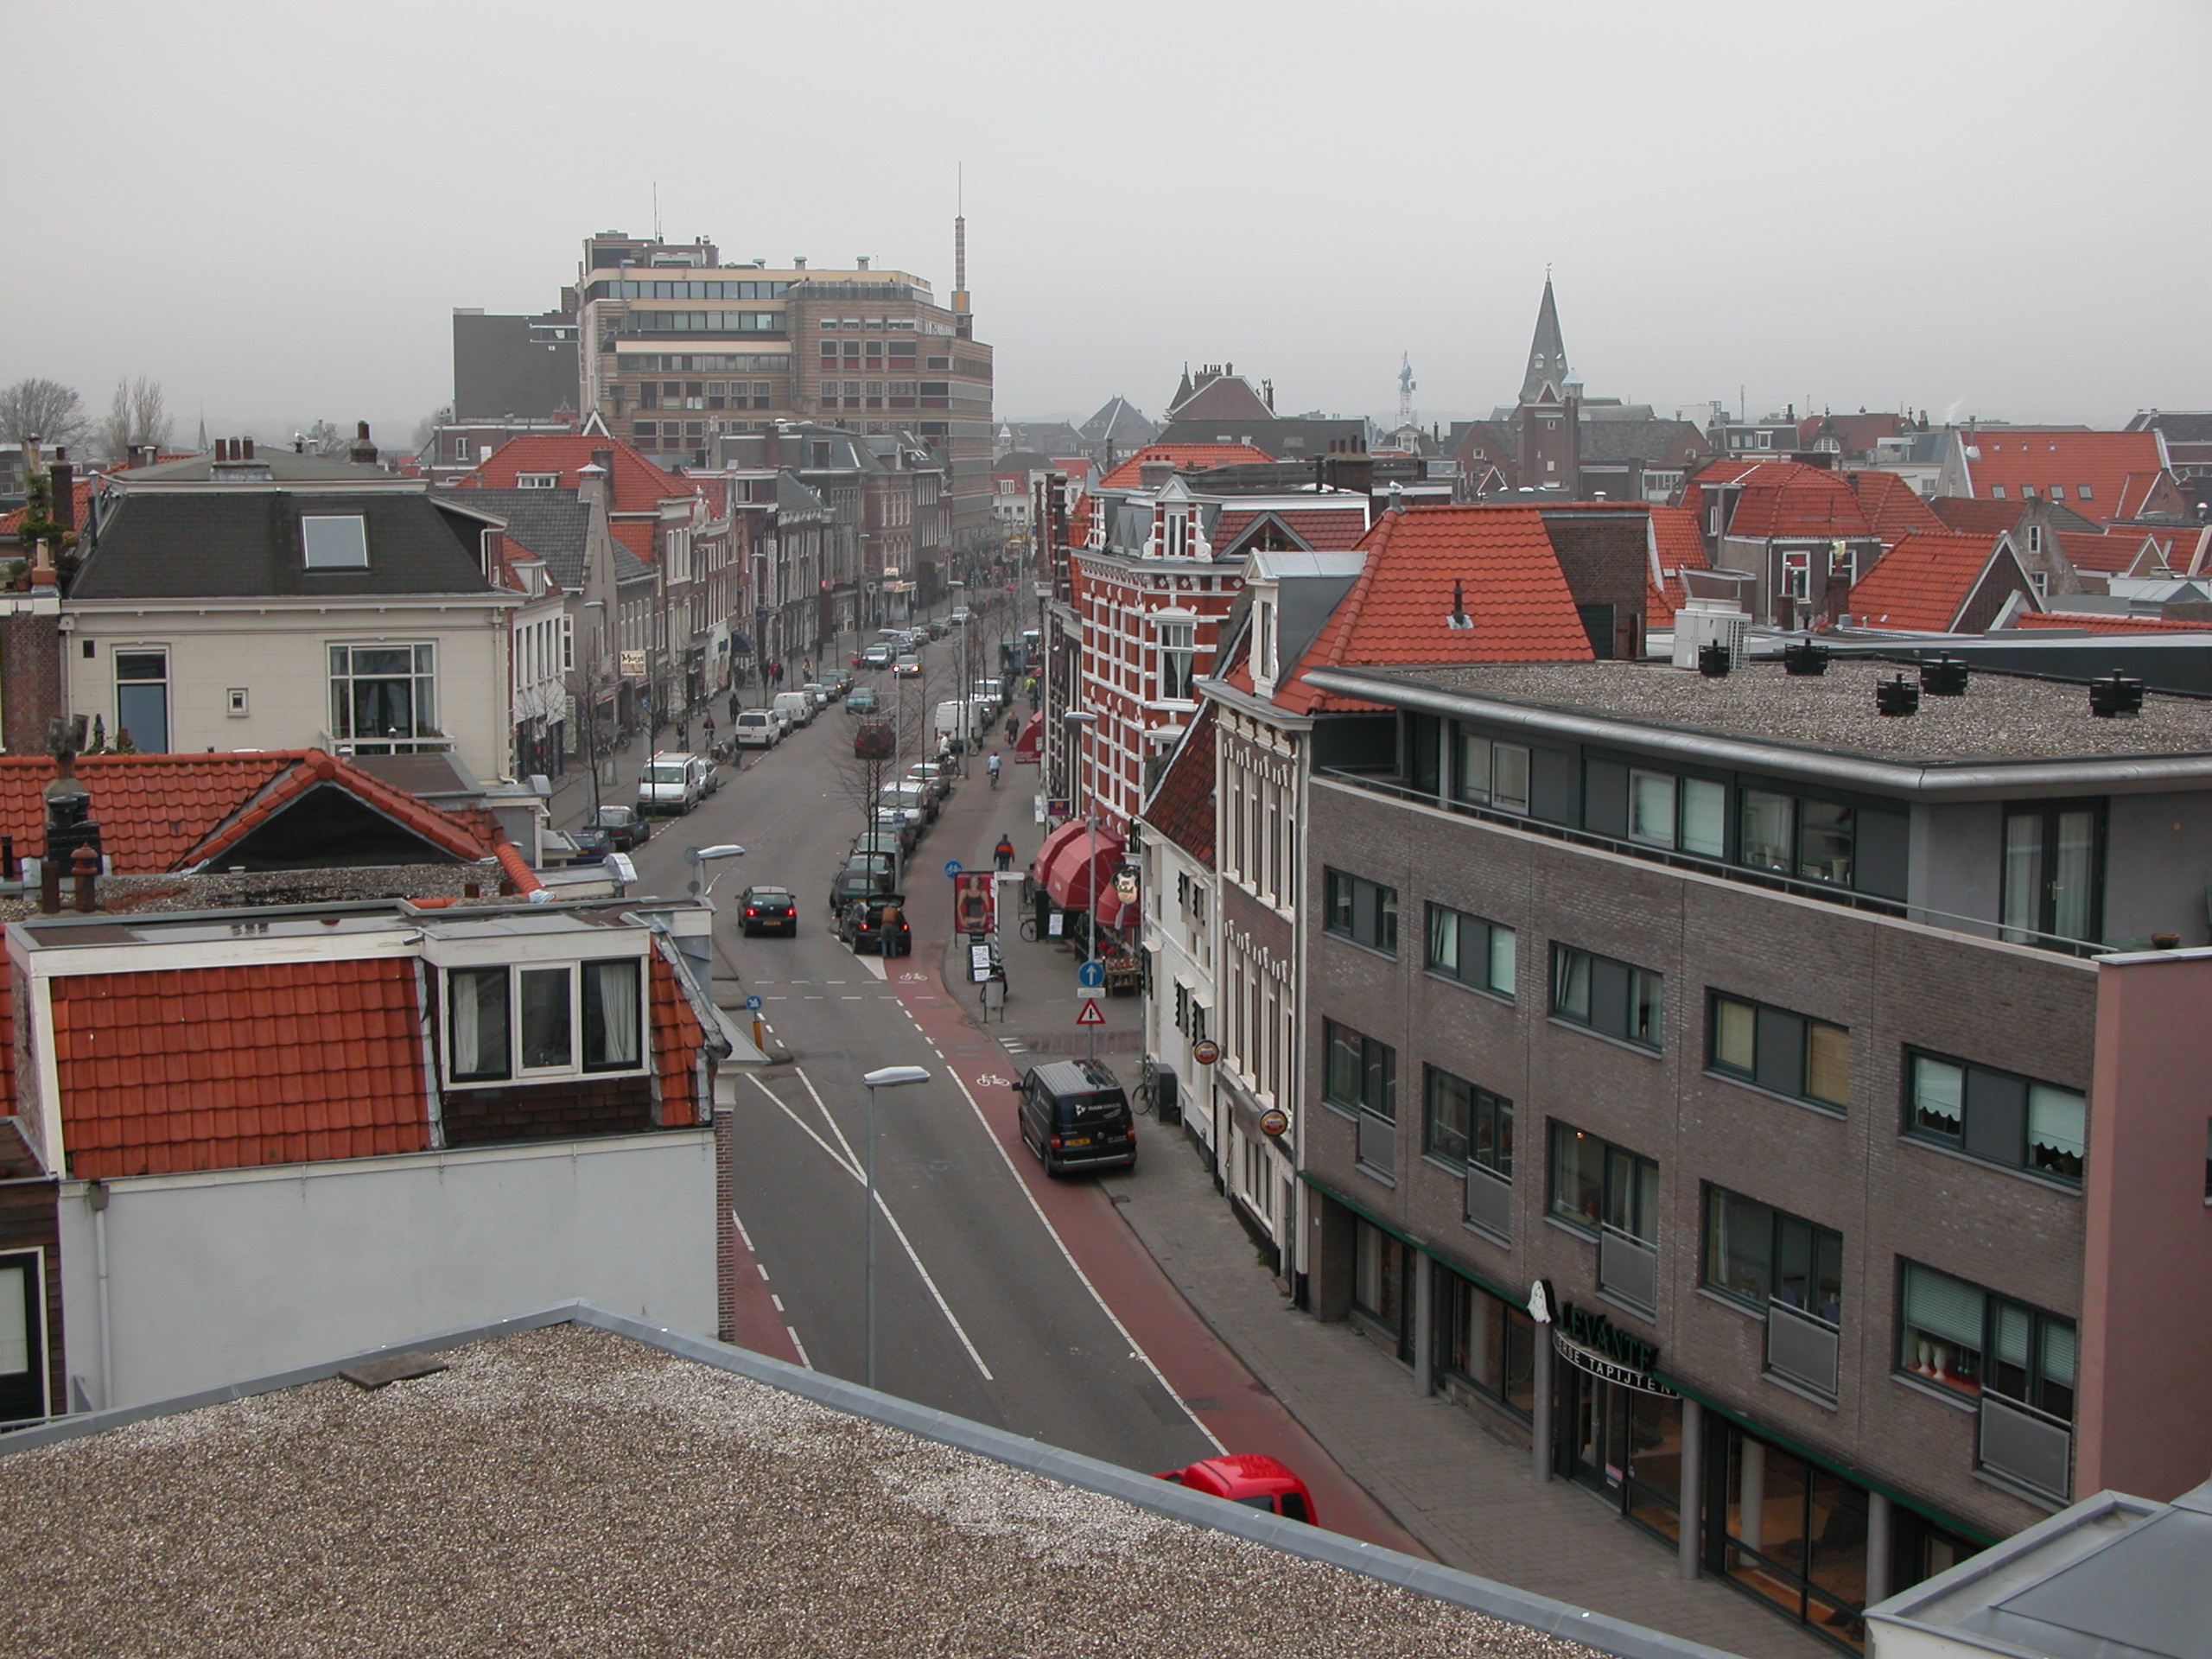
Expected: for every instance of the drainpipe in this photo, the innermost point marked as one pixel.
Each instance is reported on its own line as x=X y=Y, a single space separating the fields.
x=97 y=1196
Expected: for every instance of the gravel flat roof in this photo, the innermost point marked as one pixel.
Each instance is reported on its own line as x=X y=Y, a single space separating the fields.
x=2001 y=717
x=568 y=1491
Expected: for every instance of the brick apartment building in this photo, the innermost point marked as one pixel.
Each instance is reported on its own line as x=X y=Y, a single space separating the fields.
x=1773 y=1042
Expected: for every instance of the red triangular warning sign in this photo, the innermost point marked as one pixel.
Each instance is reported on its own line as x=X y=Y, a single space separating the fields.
x=1092 y=1014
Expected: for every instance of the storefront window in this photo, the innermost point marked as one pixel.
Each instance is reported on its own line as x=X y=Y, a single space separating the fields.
x=1382 y=1268
x=1789 y=1533
x=1488 y=1343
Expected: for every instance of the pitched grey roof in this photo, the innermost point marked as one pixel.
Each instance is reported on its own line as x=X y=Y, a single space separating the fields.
x=191 y=544
x=554 y=525
x=1636 y=440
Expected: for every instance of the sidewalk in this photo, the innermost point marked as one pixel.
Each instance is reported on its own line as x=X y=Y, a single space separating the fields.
x=1450 y=1475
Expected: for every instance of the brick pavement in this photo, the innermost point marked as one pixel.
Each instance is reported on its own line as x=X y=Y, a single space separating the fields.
x=1449 y=1474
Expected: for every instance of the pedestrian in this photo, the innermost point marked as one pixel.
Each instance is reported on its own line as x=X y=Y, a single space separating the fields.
x=1004 y=853
x=710 y=731
x=736 y=705
x=683 y=738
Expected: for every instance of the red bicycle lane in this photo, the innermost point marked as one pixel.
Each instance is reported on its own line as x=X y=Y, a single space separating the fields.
x=1201 y=1371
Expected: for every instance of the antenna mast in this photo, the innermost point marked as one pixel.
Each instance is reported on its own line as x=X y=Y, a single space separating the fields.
x=960 y=240
x=1406 y=388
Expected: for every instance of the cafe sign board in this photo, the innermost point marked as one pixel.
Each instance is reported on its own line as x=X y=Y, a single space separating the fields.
x=1594 y=1344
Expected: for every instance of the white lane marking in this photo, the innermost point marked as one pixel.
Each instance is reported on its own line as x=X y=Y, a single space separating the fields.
x=1076 y=1266
x=807 y=1129
x=853 y=1168
x=762 y=1271
x=801 y=1346
x=777 y=1299
x=852 y=999
x=742 y=1233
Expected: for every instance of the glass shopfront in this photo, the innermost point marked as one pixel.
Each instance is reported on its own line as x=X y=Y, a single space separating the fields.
x=1624 y=1443
x=1382 y=1286
x=1488 y=1343
x=1787 y=1531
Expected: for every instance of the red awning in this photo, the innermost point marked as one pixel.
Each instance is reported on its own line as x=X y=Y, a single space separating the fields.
x=1115 y=912
x=1031 y=741
x=1084 y=865
x=1045 y=853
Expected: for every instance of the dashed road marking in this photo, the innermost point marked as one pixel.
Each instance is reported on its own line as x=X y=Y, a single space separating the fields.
x=801 y=1346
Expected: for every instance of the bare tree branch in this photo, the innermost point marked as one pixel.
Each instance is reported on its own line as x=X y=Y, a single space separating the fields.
x=45 y=410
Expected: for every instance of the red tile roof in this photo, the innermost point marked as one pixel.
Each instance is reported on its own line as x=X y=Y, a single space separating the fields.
x=1968 y=517
x=2106 y=623
x=11 y=521
x=1324 y=529
x=1181 y=808
x=1892 y=506
x=1677 y=546
x=677 y=1035
x=1186 y=457
x=1508 y=577
x=2180 y=549
x=228 y=1068
x=1923 y=583
x=1782 y=498
x=163 y=812
x=2122 y=469
x=635 y=485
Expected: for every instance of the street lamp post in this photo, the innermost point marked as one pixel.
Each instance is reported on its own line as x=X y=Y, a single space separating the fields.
x=955 y=589
x=887 y=1077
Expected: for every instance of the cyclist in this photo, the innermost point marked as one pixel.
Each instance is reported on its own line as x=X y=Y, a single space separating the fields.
x=993 y=767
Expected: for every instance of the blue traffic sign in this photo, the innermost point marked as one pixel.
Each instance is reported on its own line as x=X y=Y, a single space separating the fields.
x=952 y=867
x=1091 y=975
x=753 y=1005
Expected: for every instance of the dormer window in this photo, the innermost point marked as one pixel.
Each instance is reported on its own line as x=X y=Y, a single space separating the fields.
x=537 y=480
x=335 y=541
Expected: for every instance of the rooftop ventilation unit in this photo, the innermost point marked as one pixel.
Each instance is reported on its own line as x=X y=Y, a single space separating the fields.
x=1805 y=660
x=1944 y=677
x=1897 y=696
x=1714 y=660
x=2117 y=697
x=1705 y=622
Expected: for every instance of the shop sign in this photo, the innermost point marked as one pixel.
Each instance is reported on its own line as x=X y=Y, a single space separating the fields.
x=1275 y=1123
x=1594 y=1344
x=1207 y=1052
x=633 y=664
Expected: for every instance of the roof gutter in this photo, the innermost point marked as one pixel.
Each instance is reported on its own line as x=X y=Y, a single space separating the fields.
x=1976 y=781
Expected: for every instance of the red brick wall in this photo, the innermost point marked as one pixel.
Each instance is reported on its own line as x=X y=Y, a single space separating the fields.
x=30 y=680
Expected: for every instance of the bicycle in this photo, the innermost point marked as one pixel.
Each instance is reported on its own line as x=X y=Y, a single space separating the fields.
x=1147 y=1089
x=994 y=770
x=1028 y=930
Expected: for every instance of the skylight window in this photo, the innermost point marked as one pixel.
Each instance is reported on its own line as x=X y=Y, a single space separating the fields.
x=335 y=541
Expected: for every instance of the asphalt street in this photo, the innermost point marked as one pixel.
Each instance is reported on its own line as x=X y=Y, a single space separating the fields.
x=981 y=1309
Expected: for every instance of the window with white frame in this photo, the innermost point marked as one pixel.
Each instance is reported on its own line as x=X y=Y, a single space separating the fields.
x=539 y=1021
x=383 y=693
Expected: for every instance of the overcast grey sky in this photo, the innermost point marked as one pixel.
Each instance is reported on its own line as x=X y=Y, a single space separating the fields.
x=1976 y=208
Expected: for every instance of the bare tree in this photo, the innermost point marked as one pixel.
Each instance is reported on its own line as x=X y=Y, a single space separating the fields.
x=137 y=414
x=45 y=410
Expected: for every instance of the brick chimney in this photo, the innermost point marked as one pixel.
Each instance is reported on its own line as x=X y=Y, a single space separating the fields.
x=64 y=479
x=364 y=452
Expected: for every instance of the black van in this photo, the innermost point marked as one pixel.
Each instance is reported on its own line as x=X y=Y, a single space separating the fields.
x=1074 y=1115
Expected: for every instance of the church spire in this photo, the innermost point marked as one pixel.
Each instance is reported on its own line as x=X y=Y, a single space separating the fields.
x=1547 y=379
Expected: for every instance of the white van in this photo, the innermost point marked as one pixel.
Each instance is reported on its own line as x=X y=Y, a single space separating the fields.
x=757 y=728
x=670 y=783
x=796 y=707
x=955 y=724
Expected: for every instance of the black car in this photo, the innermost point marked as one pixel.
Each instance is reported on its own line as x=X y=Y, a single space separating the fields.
x=624 y=830
x=767 y=909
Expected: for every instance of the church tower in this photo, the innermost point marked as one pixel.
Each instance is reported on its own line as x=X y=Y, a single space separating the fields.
x=1548 y=415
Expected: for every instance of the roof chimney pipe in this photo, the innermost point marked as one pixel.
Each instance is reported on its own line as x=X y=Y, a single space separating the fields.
x=363 y=453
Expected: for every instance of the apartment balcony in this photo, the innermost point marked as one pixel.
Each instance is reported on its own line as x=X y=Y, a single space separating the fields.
x=1802 y=1349
x=2026 y=1446
x=1628 y=1270
x=1489 y=1202
x=1378 y=1146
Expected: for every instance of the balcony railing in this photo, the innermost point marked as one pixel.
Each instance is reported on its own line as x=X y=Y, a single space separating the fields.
x=1378 y=1143
x=1490 y=1202
x=2023 y=1445
x=1801 y=1348
x=1629 y=1268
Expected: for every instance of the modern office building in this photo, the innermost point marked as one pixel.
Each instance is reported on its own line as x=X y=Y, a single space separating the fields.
x=1786 y=1114
x=679 y=349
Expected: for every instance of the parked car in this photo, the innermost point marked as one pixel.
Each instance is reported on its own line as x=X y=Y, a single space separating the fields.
x=669 y=783
x=960 y=616
x=863 y=699
x=908 y=666
x=876 y=656
x=709 y=774
x=911 y=796
x=883 y=845
x=820 y=692
x=878 y=923
x=839 y=680
x=624 y=830
x=1075 y=1116
x=1252 y=1478
x=896 y=821
x=559 y=847
x=767 y=909
x=796 y=707
x=936 y=778
x=857 y=880
x=937 y=627
x=757 y=728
